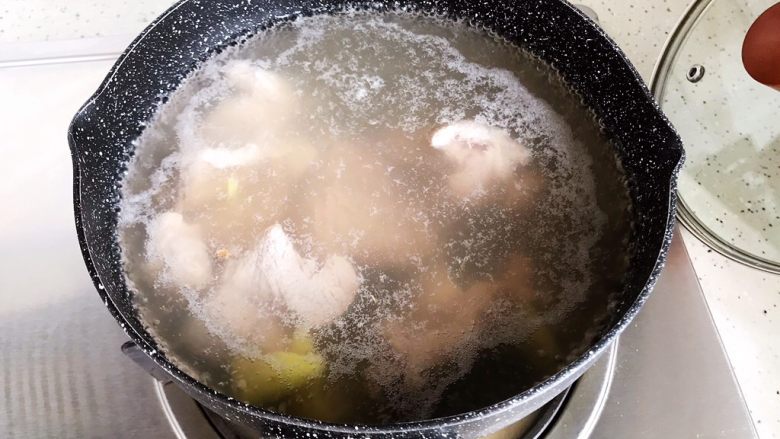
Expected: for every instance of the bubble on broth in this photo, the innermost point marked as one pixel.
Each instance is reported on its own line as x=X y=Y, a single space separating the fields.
x=301 y=163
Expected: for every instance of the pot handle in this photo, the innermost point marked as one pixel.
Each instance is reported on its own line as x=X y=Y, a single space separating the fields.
x=132 y=351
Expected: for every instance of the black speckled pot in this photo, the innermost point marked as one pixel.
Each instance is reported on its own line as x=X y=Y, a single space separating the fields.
x=170 y=48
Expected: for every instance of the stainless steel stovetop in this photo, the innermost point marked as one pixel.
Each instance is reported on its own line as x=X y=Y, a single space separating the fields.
x=62 y=373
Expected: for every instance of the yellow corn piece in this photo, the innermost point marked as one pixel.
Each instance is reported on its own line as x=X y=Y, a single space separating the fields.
x=301 y=343
x=277 y=375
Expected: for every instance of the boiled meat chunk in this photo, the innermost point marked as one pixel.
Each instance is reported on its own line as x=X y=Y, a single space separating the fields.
x=228 y=203
x=261 y=105
x=483 y=156
x=179 y=247
x=242 y=312
x=445 y=317
x=316 y=295
x=362 y=212
x=233 y=192
x=244 y=156
x=275 y=277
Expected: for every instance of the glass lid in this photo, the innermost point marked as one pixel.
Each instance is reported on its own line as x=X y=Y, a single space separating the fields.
x=729 y=188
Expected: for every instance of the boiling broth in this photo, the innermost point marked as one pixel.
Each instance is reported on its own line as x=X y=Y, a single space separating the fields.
x=301 y=234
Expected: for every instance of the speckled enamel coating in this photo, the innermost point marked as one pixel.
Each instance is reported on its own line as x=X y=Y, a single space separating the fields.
x=172 y=46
